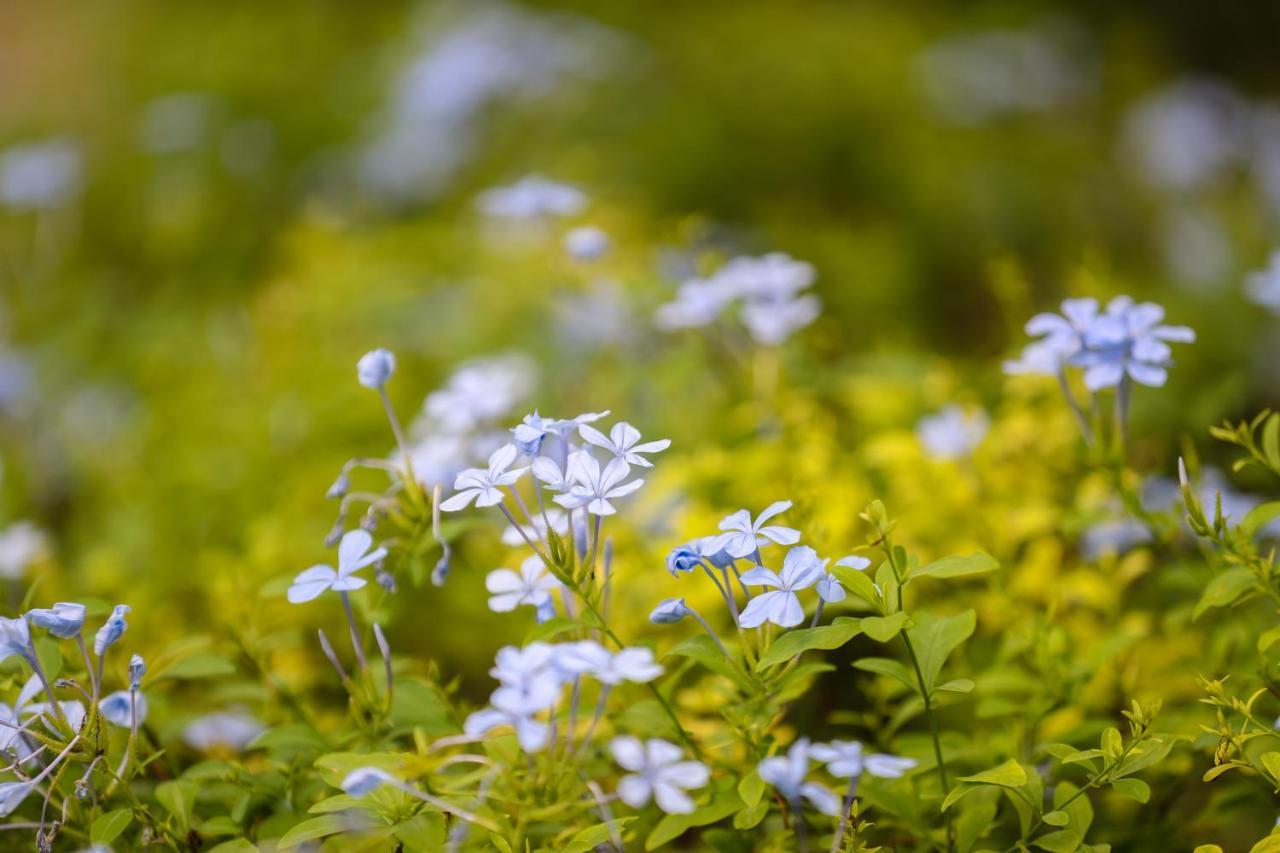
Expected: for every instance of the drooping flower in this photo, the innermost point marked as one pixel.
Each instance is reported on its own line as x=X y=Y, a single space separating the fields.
x=117 y=710
x=375 y=368
x=15 y=638
x=846 y=759
x=112 y=629
x=745 y=536
x=532 y=585
x=623 y=442
x=484 y=486
x=669 y=611
x=801 y=569
x=64 y=620
x=953 y=432
x=596 y=489
x=787 y=774
x=353 y=555
x=658 y=772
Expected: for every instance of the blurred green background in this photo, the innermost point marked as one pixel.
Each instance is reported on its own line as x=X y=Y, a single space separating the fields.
x=241 y=198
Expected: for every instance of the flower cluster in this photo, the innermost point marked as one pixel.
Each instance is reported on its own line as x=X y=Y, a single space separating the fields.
x=769 y=290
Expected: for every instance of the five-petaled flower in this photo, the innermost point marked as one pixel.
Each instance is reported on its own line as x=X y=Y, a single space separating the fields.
x=593 y=488
x=353 y=555
x=845 y=758
x=787 y=774
x=484 y=486
x=780 y=605
x=623 y=441
x=532 y=585
x=1129 y=340
x=658 y=772
x=746 y=536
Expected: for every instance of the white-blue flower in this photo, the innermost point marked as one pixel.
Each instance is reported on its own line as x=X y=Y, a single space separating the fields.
x=112 y=629
x=801 y=569
x=64 y=620
x=532 y=197
x=669 y=611
x=375 y=367
x=1263 y=287
x=531 y=433
x=364 y=780
x=1129 y=340
x=659 y=772
x=586 y=243
x=953 y=432
x=532 y=585
x=787 y=774
x=353 y=555
x=15 y=638
x=117 y=710
x=745 y=535
x=623 y=441
x=595 y=488
x=846 y=759
x=484 y=486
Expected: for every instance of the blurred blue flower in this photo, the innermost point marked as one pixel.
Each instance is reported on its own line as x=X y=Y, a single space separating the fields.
x=669 y=611
x=375 y=368
x=112 y=629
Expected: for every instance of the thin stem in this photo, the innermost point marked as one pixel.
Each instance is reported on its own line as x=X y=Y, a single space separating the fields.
x=411 y=481
x=48 y=689
x=356 y=642
x=729 y=597
x=802 y=830
x=696 y=615
x=88 y=665
x=933 y=727
x=595 y=718
x=1075 y=406
x=525 y=536
x=844 y=813
x=817 y=613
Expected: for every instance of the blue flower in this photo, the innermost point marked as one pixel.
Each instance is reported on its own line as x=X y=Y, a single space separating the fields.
x=952 y=433
x=683 y=558
x=586 y=243
x=375 y=368
x=787 y=774
x=137 y=669
x=671 y=610
x=15 y=638
x=623 y=441
x=780 y=605
x=64 y=620
x=593 y=488
x=364 y=780
x=112 y=630
x=117 y=709
x=484 y=486
x=353 y=555
x=746 y=536
x=1129 y=340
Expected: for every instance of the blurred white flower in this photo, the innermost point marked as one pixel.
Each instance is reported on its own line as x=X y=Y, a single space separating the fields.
x=233 y=730
x=586 y=243
x=1263 y=286
x=532 y=197
x=41 y=175
x=953 y=432
x=21 y=544
x=532 y=585
x=1186 y=136
x=658 y=772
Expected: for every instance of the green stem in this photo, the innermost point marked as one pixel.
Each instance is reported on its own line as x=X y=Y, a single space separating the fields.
x=933 y=728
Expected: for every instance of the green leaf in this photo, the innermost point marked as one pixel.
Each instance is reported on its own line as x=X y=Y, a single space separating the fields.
x=882 y=629
x=1259 y=517
x=236 y=845
x=422 y=833
x=673 y=826
x=751 y=816
x=857 y=583
x=1056 y=818
x=1268 y=638
x=594 y=836
x=958 y=685
x=1271 y=441
x=1225 y=588
x=936 y=638
x=422 y=705
x=553 y=627
x=957 y=566
x=1133 y=788
x=200 y=666
x=1011 y=774
x=316 y=827
x=178 y=798
x=841 y=630
x=1112 y=743
x=1079 y=817
x=1270 y=844
x=886 y=666
x=1008 y=775
x=107 y=827
x=703 y=649
x=1271 y=763
x=751 y=788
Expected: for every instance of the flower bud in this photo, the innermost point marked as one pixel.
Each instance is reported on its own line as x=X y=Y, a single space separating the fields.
x=670 y=611
x=375 y=368
x=137 y=669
